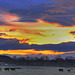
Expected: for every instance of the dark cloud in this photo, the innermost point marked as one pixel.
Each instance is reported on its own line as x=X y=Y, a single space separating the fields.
x=59 y=11
x=27 y=20
x=49 y=12
x=65 y=20
x=29 y=15
x=13 y=44
x=72 y=32
x=63 y=47
x=3 y=34
x=11 y=4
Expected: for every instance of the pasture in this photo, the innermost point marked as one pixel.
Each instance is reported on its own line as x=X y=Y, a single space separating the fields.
x=30 y=70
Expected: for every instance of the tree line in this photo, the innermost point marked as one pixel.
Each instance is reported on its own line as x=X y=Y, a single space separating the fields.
x=58 y=61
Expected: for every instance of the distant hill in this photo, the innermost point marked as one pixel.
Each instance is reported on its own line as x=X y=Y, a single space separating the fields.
x=58 y=62
x=6 y=59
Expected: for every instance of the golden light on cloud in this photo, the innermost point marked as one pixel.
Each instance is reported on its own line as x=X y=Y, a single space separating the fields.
x=32 y=51
x=40 y=32
x=11 y=17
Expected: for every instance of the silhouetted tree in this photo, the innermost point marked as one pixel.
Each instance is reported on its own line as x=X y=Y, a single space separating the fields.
x=69 y=58
x=35 y=58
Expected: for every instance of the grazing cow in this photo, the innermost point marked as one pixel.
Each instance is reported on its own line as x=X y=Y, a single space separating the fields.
x=13 y=69
x=61 y=70
x=69 y=70
x=6 y=69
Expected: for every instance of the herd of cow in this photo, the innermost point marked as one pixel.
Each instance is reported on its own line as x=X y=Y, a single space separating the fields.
x=61 y=70
x=8 y=69
x=13 y=69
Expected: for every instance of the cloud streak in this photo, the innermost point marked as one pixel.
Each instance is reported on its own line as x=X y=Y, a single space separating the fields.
x=32 y=51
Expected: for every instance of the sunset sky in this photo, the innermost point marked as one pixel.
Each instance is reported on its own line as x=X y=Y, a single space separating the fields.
x=45 y=27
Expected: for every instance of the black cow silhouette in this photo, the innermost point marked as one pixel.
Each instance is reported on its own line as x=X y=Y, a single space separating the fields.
x=69 y=70
x=13 y=69
x=6 y=69
x=61 y=70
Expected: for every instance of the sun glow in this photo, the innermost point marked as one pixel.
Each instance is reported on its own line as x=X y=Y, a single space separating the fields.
x=40 y=32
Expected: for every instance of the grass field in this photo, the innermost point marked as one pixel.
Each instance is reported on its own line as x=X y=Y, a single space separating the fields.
x=38 y=71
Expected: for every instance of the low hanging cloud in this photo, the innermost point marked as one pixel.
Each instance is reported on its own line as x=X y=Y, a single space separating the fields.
x=12 y=47
x=13 y=44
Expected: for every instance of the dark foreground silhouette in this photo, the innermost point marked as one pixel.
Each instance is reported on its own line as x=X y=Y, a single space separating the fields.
x=61 y=70
x=43 y=61
x=7 y=69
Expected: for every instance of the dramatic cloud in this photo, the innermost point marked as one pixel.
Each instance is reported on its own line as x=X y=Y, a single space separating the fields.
x=12 y=47
x=37 y=27
x=13 y=44
x=41 y=32
x=49 y=12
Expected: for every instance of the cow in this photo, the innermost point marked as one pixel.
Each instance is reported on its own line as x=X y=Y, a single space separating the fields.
x=69 y=70
x=13 y=69
x=6 y=69
x=61 y=70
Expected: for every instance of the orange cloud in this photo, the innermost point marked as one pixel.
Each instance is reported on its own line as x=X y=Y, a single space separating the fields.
x=8 y=18
x=23 y=41
x=32 y=51
x=40 y=32
x=11 y=17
